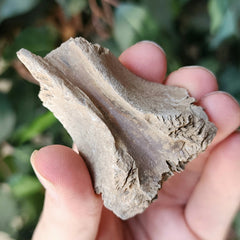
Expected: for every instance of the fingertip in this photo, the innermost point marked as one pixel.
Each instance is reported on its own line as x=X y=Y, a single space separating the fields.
x=229 y=151
x=224 y=111
x=216 y=196
x=71 y=209
x=196 y=79
x=63 y=168
x=147 y=60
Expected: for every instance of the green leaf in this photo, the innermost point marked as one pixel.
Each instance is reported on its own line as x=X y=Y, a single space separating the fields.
x=72 y=7
x=38 y=126
x=8 y=209
x=11 y=8
x=227 y=29
x=236 y=225
x=21 y=157
x=217 y=10
x=7 y=118
x=133 y=23
x=177 y=6
x=224 y=15
x=5 y=236
x=210 y=63
x=30 y=209
x=112 y=46
x=39 y=40
x=229 y=81
x=162 y=11
x=24 y=185
x=24 y=101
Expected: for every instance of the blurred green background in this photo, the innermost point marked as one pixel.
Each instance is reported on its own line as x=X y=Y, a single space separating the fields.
x=199 y=32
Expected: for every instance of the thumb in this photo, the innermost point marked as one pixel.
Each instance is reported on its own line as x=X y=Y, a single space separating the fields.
x=71 y=209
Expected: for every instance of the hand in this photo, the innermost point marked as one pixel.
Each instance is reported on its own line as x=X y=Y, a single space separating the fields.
x=198 y=203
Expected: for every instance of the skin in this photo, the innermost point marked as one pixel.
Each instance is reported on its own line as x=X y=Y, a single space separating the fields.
x=199 y=203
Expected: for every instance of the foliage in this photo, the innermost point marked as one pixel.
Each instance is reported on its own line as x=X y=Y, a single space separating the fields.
x=130 y=20
x=10 y=8
x=191 y=32
x=72 y=7
x=7 y=117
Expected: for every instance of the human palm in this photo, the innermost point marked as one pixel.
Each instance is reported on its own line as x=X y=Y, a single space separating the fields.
x=198 y=203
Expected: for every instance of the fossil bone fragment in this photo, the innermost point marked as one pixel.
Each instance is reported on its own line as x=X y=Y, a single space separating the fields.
x=133 y=134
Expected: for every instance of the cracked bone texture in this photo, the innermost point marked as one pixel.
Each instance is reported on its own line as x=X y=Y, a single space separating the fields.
x=132 y=134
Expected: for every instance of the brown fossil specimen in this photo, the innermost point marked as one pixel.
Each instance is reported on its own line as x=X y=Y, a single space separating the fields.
x=133 y=134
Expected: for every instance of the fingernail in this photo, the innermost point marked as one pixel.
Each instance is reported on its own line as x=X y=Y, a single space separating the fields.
x=201 y=67
x=45 y=182
x=221 y=92
x=154 y=43
x=75 y=148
